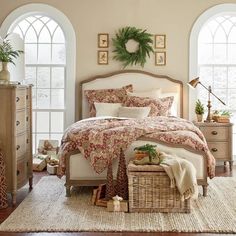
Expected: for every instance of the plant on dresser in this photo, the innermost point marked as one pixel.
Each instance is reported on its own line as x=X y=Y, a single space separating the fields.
x=219 y=140
x=7 y=55
x=16 y=135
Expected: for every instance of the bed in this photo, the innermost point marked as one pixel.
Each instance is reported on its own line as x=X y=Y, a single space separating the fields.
x=79 y=171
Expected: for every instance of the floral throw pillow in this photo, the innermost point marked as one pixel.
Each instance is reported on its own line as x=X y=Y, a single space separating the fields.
x=159 y=107
x=107 y=96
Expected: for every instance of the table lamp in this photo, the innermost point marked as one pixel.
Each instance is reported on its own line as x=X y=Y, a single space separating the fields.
x=193 y=83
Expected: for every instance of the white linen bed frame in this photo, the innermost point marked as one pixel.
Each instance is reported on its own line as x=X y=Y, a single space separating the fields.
x=78 y=169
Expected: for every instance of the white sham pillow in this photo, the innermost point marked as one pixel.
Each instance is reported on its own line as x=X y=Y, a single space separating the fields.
x=154 y=93
x=107 y=109
x=174 y=107
x=134 y=112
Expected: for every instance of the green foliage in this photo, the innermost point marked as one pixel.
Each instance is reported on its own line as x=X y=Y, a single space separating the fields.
x=222 y=113
x=150 y=149
x=226 y=113
x=7 y=54
x=145 y=46
x=216 y=112
x=199 y=108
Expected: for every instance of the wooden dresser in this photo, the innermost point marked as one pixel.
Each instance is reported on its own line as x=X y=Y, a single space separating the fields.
x=219 y=139
x=16 y=135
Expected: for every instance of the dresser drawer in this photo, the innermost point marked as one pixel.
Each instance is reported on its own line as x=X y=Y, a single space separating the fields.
x=220 y=150
x=20 y=121
x=215 y=133
x=20 y=98
x=20 y=145
x=22 y=172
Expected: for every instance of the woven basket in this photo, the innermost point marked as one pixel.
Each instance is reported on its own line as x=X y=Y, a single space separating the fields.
x=149 y=191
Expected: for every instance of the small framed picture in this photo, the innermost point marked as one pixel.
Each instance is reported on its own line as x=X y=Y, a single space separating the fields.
x=160 y=41
x=103 y=40
x=102 y=57
x=160 y=58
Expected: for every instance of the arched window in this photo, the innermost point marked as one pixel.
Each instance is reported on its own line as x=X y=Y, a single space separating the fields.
x=213 y=58
x=45 y=63
x=217 y=60
x=47 y=67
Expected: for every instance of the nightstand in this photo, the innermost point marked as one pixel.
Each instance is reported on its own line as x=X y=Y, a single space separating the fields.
x=219 y=140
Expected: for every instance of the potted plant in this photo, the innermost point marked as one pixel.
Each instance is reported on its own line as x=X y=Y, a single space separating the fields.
x=199 y=110
x=222 y=116
x=7 y=55
x=225 y=117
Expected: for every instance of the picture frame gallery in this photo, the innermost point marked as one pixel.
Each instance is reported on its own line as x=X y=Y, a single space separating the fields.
x=160 y=58
x=160 y=41
x=103 y=40
x=102 y=57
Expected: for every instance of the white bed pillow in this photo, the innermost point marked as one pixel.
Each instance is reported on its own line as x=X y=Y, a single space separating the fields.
x=154 y=93
x=134 y=112
x=174 y=107
x=107 y=109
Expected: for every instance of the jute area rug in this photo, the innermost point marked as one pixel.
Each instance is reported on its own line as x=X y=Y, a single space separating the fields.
x=47 y=209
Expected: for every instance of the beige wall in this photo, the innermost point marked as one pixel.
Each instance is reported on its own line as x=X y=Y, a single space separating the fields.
x=90 y=17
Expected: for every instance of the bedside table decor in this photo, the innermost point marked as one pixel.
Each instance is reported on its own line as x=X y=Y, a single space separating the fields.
x=199 y=110
x=3 y=183
x=221 y=116
x=193 y=83
x=219 y=140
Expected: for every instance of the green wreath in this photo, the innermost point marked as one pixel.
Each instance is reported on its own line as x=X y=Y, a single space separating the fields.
x=138 y=56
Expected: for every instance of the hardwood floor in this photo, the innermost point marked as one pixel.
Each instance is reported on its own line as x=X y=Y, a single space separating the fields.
x=22 y=193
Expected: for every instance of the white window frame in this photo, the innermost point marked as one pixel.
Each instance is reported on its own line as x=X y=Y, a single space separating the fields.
x=193 y=46
x=36 y=8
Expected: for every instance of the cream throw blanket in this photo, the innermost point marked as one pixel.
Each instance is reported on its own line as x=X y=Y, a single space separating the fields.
x=182 y=174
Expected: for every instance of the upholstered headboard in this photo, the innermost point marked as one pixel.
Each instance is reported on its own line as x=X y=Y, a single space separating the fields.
x=141 y=80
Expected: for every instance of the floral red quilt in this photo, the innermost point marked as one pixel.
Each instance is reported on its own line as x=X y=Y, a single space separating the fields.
x=100 y=140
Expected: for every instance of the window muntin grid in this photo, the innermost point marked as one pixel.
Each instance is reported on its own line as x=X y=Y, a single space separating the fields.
x=45 y=63
x=217 y=63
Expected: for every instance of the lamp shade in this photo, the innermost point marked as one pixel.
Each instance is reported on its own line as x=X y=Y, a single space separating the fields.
x=193 y=83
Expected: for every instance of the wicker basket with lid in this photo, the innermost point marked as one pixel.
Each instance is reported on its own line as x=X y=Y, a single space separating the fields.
x=150 y=191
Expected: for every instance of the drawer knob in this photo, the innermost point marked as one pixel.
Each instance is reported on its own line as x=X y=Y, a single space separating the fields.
x=27 y=118
x=17 y=122
x=27 y=140
x=17 y=147
x=17 y=172
x=17 y=99
x=27 y=97
x=214 y=149
x=214 y=132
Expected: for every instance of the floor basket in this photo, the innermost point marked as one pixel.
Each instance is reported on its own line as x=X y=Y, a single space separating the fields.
x=149 y=191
